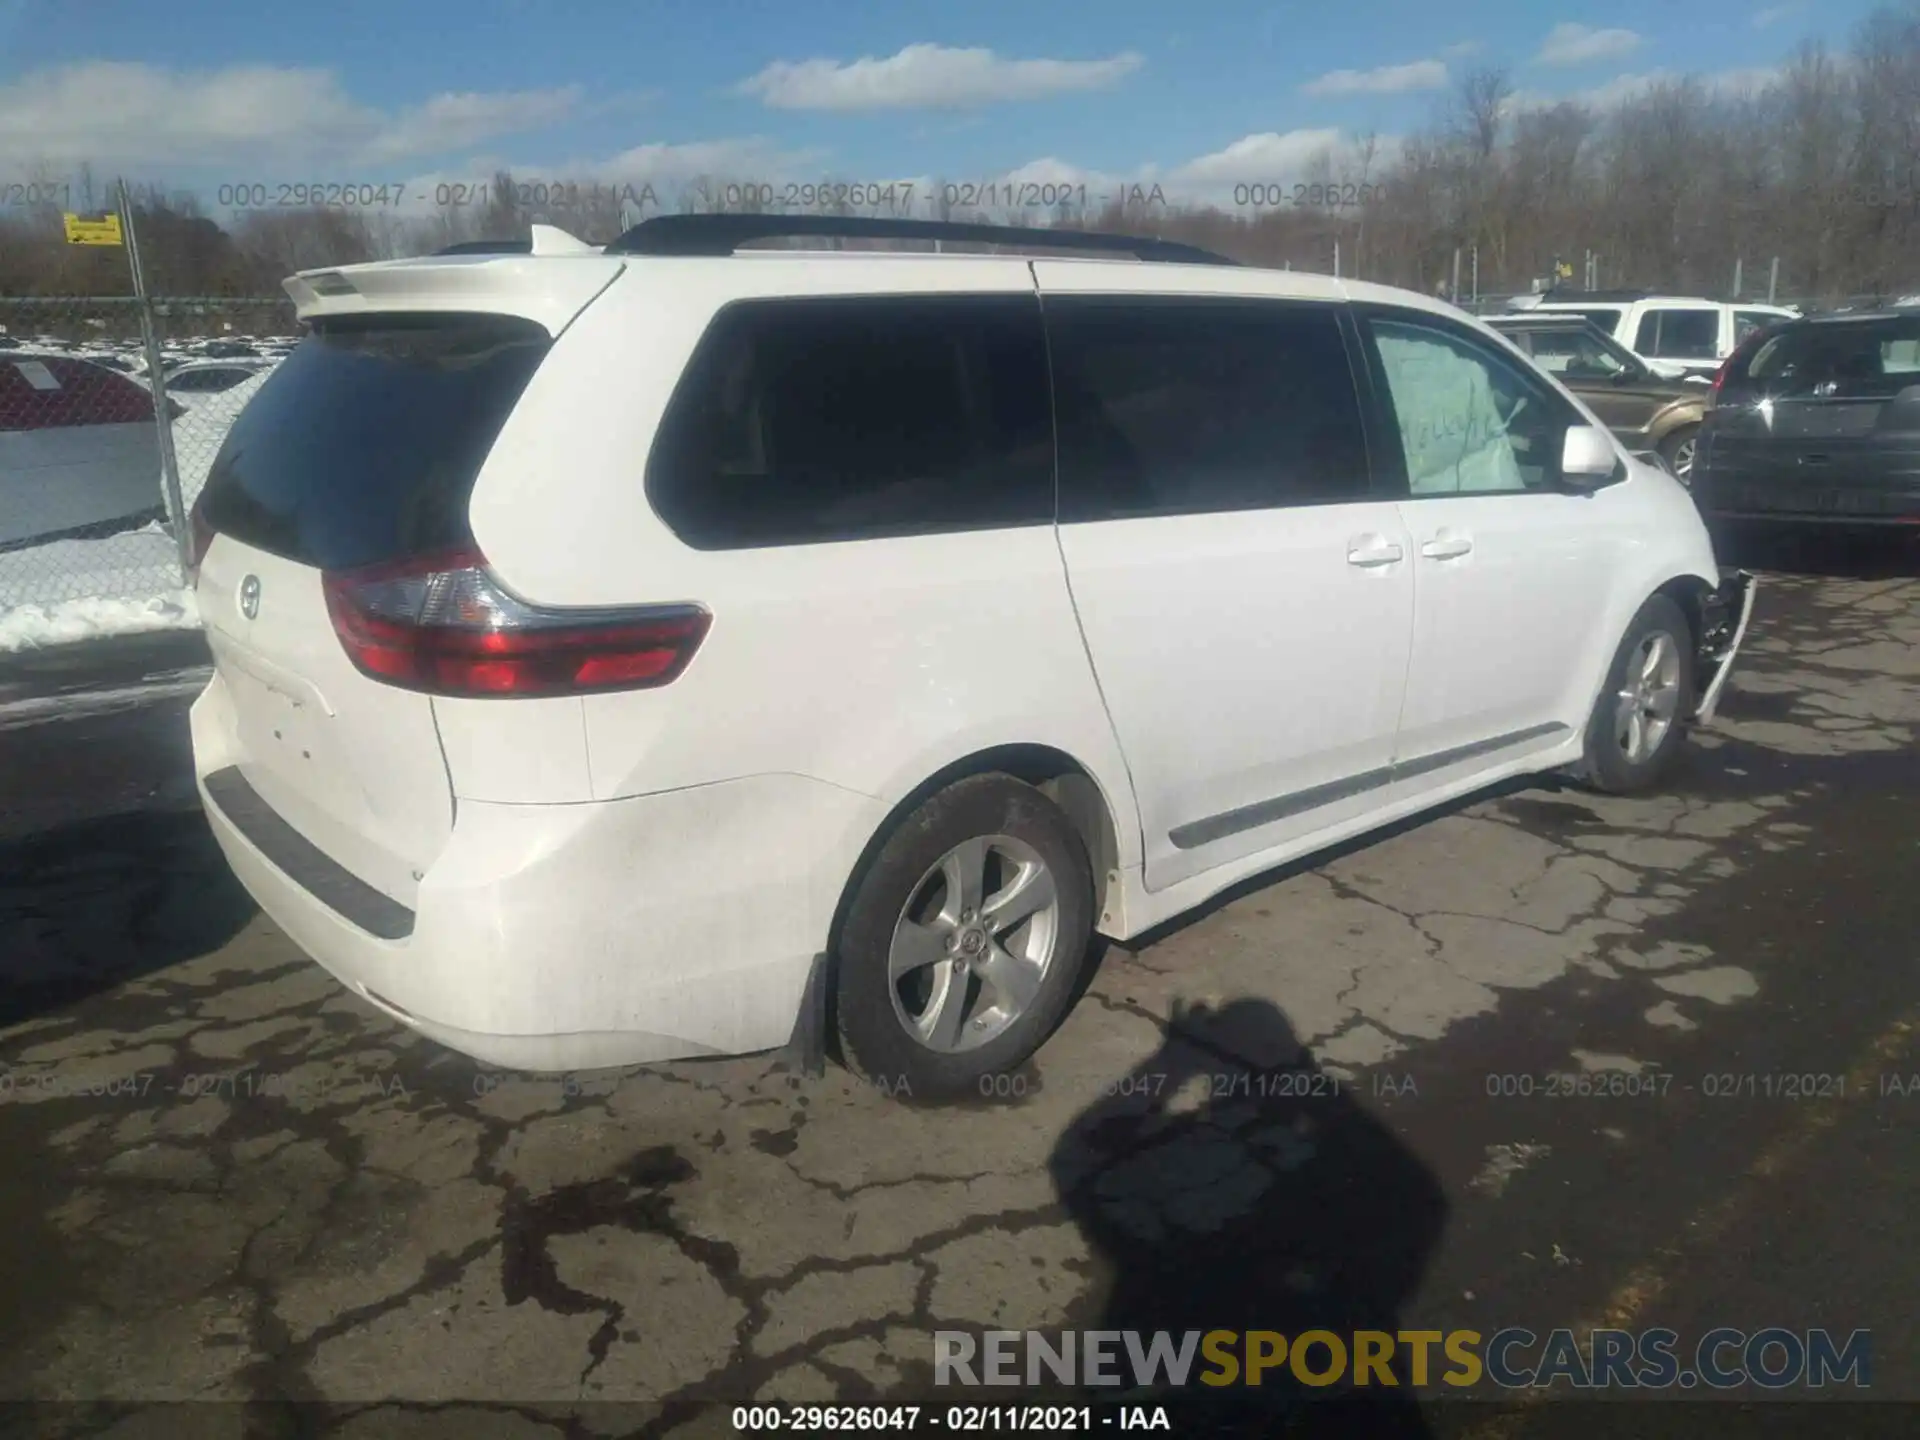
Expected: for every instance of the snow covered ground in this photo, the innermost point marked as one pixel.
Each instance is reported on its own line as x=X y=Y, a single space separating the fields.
x=70 y=590
x=74 y=589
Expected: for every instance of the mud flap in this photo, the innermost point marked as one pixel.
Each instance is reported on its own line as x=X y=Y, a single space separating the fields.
x=807 y=1047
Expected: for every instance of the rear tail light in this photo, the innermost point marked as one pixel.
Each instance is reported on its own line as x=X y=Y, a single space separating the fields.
x=1720 y=378
x=199 y=537
x=444 y=626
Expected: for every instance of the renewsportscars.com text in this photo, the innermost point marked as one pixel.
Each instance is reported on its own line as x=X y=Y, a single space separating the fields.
x=1773 y=1358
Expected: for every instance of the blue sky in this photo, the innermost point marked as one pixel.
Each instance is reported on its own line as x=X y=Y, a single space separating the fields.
x=193 y=91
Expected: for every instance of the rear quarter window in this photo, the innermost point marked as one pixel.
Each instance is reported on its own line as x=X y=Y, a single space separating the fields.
x=810 y=421
x=363 y=446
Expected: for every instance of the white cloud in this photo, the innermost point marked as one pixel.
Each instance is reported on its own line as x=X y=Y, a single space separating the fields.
x=928 y=77
x=453 y=122
x=672 y=172
x=1774 y=14
x=118 y=113
x=1623 y=89
x=1385 y=80
x=1274 y=159
x=1256 y=159
x=1572 y=44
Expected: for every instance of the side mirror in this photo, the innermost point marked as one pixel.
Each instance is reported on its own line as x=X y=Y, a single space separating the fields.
x=1588 y=459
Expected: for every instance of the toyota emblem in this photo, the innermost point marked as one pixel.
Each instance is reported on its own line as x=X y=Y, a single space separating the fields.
x=250 y=596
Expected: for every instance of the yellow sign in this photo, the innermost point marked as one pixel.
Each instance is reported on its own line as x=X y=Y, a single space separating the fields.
x=104 y=231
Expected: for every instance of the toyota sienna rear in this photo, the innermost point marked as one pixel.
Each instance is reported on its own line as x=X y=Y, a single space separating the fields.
x=674 y=649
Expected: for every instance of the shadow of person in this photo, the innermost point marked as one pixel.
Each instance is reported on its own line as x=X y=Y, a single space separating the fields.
x=1227 y=1183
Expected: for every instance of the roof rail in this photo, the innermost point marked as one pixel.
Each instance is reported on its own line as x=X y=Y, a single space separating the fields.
x=1572 y=292
x=723 y=234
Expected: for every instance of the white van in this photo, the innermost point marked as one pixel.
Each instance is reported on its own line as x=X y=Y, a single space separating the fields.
x=687 y=649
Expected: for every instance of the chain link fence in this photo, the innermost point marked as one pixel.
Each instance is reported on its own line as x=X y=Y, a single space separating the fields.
x=102 y=452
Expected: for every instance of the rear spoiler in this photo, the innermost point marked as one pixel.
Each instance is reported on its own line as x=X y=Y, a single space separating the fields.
x=549 y=284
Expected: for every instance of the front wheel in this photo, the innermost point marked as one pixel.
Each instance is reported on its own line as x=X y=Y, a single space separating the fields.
x=1638 y=723
x=964 y=939
x=1677 y=451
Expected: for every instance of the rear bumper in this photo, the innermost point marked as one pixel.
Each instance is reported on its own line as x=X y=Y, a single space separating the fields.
x=564 y=937
x=1725 y=615
x=1734 y=493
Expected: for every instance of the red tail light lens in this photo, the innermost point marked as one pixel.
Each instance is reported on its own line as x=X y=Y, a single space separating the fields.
x=1720 y=377
x=443 y=625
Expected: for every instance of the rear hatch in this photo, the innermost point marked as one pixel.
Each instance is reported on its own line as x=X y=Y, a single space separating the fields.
x=1820 y=420
x=357 y=458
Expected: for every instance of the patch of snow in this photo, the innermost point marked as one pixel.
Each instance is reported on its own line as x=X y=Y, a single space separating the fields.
x=76 y=589
x=27 y=627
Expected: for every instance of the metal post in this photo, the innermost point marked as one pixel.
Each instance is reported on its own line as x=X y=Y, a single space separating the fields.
x=1336 y=259
x=162 y=424
x=1476 y=274
x=1773 y=279
x=1454 y=293
x=1737 y=262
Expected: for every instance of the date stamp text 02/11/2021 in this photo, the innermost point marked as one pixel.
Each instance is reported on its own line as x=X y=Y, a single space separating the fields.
x=901 y=199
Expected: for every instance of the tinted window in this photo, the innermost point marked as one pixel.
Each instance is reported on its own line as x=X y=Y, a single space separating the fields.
x=1176 y=406
x=1745 y=322
x=812 y=420
x=363 y=446
x=1679 y=334
x=1576 y=355
x=1469 y=422
x=1869 y=358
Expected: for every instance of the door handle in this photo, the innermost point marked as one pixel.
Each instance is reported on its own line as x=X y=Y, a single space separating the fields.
x=1373 y=551
x=1447 y=547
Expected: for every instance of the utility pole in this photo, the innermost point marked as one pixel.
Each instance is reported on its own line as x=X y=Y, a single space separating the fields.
x=157 y=383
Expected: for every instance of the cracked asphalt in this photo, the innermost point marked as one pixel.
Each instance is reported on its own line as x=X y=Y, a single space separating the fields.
x=1334 y=1099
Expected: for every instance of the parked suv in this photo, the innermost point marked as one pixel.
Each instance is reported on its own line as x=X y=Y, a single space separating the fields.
x=1644 y=410
x=670 y=651
x=1678 y=336
x=1817 y=421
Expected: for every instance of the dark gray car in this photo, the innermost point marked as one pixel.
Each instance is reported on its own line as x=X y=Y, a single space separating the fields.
x=1817 y=420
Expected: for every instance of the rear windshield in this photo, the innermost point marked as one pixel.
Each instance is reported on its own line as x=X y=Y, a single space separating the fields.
x=1872 y=357
x=363 y=446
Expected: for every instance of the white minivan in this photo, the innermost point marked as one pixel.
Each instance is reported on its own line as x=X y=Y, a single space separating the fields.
x=686 y=649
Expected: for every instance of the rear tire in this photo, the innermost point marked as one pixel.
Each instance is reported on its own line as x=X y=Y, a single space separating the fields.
x=1638 y=725
x=963 y=941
